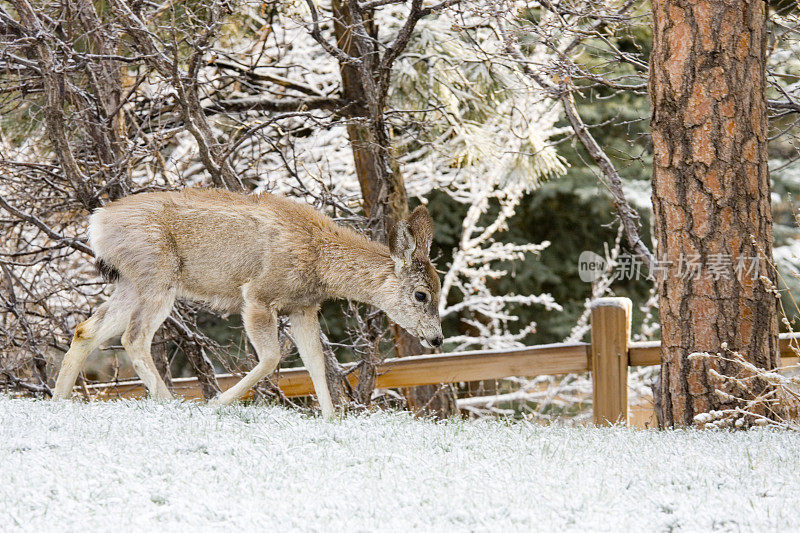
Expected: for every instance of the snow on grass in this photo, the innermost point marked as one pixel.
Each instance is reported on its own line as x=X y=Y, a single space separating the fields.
x=145 y=465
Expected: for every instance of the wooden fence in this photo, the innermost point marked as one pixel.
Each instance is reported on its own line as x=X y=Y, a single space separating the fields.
x=607 y=357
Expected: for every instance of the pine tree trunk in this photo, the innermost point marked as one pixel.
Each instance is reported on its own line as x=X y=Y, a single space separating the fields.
x=711 y=195
x=385 y=203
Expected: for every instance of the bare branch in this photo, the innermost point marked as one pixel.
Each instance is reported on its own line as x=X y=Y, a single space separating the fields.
x=72 y=243
x=280 y=105
x=272 y=78
x=316 y=33
x=399 y=44
x=613 y=181
x=186 y=85
x=784 y=105
x=37 y=389
x=55 y=89
x=628 y=216
x=372 y=4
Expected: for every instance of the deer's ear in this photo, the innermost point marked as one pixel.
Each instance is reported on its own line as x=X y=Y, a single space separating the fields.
x=421 y=225
x=401 y=244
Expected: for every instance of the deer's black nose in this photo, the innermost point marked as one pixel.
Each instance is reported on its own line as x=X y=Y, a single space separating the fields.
x=436 y=342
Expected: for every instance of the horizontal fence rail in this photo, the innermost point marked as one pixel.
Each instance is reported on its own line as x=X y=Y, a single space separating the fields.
x=406 y=372
x=649 y=353
x=604 y=357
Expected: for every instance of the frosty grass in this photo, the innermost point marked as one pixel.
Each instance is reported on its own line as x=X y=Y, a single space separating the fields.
x=145 y=466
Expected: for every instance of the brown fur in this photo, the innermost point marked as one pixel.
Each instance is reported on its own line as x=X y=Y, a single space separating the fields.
x=80 y=332
x=259 y=255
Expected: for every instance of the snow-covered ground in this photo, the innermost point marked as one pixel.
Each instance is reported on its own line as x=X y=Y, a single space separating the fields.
x=146 y=466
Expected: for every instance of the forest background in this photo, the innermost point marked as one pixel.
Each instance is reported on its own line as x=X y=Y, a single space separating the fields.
x=475 y=118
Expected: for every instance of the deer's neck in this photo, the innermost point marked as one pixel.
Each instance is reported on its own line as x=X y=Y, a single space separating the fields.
x=353 y=267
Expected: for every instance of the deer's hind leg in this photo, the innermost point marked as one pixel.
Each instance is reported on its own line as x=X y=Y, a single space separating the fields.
x=110 y=319
x=149 y=313
x=261 y=325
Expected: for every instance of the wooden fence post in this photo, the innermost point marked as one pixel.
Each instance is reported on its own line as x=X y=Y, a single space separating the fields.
x=611 y=335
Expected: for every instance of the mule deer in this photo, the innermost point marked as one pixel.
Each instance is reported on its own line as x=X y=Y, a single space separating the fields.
x=259 y=255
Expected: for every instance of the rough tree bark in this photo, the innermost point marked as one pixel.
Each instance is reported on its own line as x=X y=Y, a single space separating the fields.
x=711 y=194
x=383 y=191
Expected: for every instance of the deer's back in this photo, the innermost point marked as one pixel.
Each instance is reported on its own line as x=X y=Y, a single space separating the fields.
x=208 y=243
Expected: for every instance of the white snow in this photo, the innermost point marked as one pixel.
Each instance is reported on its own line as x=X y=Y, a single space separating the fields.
x=142 y=466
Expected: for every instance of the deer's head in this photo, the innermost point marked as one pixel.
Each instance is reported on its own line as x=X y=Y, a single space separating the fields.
x=415 y=306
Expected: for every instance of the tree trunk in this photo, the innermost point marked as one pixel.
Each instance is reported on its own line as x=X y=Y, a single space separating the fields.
x=385 y=203
x=711 y=196
x=382 y=186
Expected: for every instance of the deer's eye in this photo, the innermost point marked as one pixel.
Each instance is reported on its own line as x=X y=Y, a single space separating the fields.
x=420 y=296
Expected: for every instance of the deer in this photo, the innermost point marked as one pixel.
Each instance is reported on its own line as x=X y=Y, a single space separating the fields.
x=260 y=255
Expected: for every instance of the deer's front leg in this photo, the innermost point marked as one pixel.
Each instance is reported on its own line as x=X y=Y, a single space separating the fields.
x=261 y=325
x=305 y=326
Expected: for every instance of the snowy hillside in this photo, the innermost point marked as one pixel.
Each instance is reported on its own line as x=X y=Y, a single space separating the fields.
x=133 y=466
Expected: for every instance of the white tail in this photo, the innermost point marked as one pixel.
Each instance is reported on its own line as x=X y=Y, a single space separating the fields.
x=257 y=255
